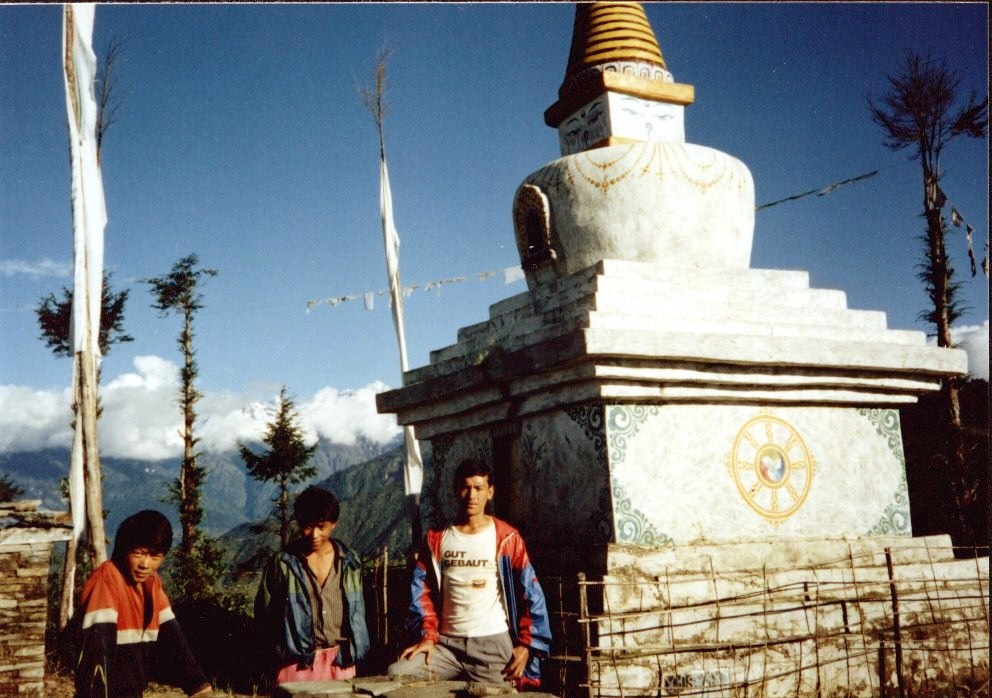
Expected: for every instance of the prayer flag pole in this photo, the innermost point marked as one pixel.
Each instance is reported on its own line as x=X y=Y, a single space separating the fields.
x=413 y=469
x=89 y=217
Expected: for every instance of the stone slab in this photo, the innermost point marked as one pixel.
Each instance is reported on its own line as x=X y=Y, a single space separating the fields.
x=394 y=688
x=312 y=689
x=374 y=685
x=15 y=537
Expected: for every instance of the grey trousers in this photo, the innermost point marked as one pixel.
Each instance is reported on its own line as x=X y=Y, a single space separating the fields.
x=479 y=659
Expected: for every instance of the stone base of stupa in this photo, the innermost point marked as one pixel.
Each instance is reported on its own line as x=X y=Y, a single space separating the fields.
x=633 y=403
x=870 y=616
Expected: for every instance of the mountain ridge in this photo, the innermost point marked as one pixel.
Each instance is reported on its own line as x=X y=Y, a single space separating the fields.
x=231 y=497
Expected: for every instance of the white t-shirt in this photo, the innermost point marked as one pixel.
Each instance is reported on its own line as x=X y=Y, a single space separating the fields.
x=470 y=584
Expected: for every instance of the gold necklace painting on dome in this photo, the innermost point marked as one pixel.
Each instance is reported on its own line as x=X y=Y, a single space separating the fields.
x=662 y=160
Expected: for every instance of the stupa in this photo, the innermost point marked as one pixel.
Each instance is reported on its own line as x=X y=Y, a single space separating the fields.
x=650 y=388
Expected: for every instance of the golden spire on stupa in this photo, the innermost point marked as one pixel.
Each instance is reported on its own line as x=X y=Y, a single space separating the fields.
x=606 y=32
x=614 y=49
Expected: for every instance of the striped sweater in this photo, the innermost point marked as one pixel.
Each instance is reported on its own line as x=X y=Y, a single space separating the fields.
x=123 y=628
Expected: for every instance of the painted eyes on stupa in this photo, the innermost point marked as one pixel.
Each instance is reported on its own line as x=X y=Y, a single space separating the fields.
x=573 y=131
x=595 y=111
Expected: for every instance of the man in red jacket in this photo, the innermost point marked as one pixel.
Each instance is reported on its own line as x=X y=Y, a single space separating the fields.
x=475 y=596
x=125 y=618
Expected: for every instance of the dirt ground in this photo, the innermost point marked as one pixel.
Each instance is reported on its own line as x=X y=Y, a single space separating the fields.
x=57 y=686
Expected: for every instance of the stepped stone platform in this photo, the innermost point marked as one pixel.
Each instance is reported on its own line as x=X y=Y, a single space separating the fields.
x=636 y=331
x=798 y=618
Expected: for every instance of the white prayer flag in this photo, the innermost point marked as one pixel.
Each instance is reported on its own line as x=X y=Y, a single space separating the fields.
x=89 y=217
x=89 y=214
x=413 y=471
x=969 y=231
x=390 y=239
x=512 y=274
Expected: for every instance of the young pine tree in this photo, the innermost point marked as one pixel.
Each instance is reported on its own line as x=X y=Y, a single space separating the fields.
x=286 y=462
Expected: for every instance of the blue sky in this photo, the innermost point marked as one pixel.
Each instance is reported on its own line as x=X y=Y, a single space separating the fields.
x=241 y=139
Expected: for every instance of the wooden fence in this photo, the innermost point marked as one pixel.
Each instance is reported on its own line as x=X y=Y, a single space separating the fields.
x=846 y=627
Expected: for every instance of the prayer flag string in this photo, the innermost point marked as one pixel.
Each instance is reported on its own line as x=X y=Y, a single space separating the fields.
x=958 y=220
x=819 y=192
x=510 y=275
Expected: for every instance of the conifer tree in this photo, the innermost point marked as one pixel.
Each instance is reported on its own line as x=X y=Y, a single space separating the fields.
x=286 y=462
x=920 y=112
x=198 y=558
x=54 y=317
x=9 y=490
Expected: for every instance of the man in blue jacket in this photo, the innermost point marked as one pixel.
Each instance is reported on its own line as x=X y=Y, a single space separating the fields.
x=310 y=606
x=475 y=597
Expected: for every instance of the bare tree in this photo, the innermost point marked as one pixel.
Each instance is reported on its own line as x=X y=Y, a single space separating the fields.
x=374 y=96
x=919 y=111
x=109 y=97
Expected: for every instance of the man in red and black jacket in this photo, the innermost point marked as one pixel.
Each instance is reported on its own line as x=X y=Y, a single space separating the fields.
x=475 y=598
x=125 y=619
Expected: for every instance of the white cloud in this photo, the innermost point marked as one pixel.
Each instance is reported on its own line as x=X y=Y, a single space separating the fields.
x=974 y=339
x=39 y=269
x=343 y=416
x=141 y=417
x=34 y=419
x=230 y=418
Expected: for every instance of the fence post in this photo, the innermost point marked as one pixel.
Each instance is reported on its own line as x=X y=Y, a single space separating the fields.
x=586 y=631
x=896 y=629
x=385 y=596
x=881 y=667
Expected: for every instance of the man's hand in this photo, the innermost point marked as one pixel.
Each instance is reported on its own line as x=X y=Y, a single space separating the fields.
x=514 y=669
x=425 y=646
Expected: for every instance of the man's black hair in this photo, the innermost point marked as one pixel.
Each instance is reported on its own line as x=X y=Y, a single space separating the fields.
x=315 y=504
x=470 y=467
x=146 y=529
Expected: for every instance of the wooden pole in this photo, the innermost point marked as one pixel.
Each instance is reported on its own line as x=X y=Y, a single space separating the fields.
x=586 y=631
x=87 y=417
x=385 y=596
x=896 y=628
